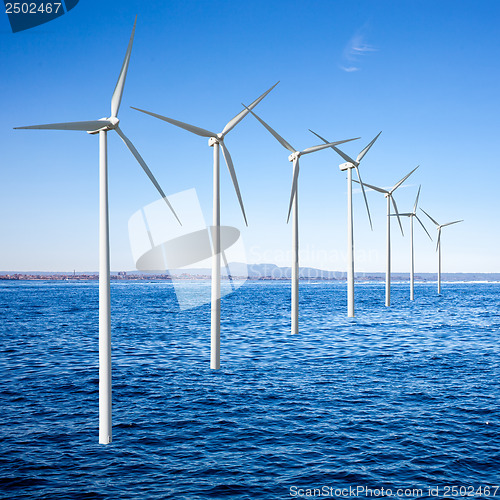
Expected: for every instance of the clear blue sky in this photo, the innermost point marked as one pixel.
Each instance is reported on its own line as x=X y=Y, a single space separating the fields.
x=425 y=73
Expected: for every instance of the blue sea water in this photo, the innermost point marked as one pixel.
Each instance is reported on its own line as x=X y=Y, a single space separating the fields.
x=400 y=397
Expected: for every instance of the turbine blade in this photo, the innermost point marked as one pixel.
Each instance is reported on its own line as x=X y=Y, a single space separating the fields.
x=186 y=126
x=421 y=223
x=278 y=137
x=142 y=163
x=375 y=188
x=416 y=201
x=364 y=195
x=324 y=146
x=439 y=239
x=341 y=153
x=237 y=119
x=230 y=166
x=437 y=224
x=88 y=126
x=228 y=270
x=120 y=84
x=403 y=179
x=450 y=223
x=294 y=186
x=397 y=214
x=401 y=215
x=367 y=148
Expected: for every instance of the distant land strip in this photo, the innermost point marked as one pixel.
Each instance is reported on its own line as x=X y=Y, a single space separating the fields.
x=251 y=272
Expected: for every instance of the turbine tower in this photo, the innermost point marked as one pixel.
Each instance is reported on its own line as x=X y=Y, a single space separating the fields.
x=216 y=140
x=438 y=245
x=102 y=127
x=412 y=215
x=294 y=158
x=390 y=198
x=349 y=165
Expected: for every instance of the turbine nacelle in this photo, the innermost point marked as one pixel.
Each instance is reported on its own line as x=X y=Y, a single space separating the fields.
x=111 y=124
x=347 y=166
x=294 y=156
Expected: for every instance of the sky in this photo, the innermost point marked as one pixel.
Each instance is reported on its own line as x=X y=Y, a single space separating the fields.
x=424 y=73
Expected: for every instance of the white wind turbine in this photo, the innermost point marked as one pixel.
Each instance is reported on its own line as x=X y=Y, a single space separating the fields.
x=350 y=231
x=412 y=215
x=294 y=158
x=390 y=198
x=102 y=127
x=215 y=140
x=438 y=245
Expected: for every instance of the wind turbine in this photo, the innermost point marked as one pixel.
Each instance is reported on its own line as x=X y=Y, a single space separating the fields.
x=412 y=215
x=438 y=245
x=215 y=140
x=390 y=198
x=294 y=158
x=102 y=127
x=350 y=232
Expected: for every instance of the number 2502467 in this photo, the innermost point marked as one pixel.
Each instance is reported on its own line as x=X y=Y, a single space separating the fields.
x=32 y=8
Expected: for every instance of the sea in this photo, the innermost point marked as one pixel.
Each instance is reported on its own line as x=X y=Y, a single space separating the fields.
x=399 y=402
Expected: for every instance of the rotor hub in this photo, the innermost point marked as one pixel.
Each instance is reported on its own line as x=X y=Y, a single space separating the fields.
x=294 y=156
x=215 y=140
x=114 y=122
x=109 y=126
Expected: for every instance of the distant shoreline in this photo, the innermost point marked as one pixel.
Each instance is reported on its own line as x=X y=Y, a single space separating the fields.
x=361 y=278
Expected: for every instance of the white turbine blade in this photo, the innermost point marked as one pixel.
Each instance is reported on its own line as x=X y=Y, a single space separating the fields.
x=324 y=146
x=228 y=270
x=230 y=166
x=375 y=188
x=450 y=223
x=437 y=223
x=341 y=153
x=237 y=119
x=397 y=214
x=118 y=92
x=275 y=134
x=416 y=200
x=403 y=179
x=439 y=239
x=186 y=126
x=422 y=224
x=294 y=185
x=364 y=195
x=400 y=215
x=360 y=156
x=89 y=126
x=142 y=163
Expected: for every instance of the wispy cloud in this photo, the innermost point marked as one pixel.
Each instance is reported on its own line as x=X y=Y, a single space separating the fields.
x=349 y=69
x=354 y=51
